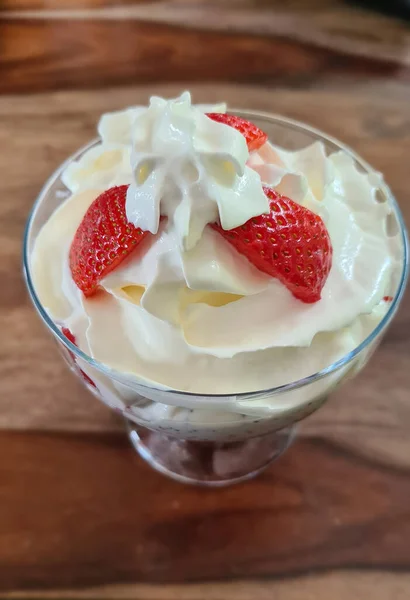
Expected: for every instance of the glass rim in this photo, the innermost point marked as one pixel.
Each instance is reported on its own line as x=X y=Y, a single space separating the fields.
x=332 y=368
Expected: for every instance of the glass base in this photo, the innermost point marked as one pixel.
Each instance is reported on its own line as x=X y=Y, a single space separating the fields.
x=212 y=464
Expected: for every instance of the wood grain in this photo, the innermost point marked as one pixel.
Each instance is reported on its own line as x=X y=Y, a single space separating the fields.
x=107 y=53
x=235 y=41
x=335 y=585
x=122 y=522
x=41 y=5
x=80 y=515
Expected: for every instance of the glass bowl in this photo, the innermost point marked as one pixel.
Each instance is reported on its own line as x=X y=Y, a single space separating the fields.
x=214 y=440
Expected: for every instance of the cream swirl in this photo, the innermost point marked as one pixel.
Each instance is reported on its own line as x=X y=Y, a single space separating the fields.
x=188 y=311
x=191 y=170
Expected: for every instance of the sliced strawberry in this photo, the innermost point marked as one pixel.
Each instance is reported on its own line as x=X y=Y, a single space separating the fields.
x=290 y=243
x=103 y=239
x=65 y=331
x=255 y=137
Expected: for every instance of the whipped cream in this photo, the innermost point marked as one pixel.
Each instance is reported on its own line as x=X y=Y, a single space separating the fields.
x=191 y=170
x=189 y=312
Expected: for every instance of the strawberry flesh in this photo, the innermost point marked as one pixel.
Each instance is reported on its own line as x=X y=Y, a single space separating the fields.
x=255 y=137
x=103 y=240
x=68 y=334
x=290 y=243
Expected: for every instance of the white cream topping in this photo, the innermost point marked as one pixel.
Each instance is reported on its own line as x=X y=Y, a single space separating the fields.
x=190 y=170
x=187 y=311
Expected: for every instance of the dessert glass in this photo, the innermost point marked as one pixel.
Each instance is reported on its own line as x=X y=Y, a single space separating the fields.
x=198 y=438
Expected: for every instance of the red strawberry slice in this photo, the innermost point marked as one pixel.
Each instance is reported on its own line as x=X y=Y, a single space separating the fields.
x=255 y=137
x=65 y=331
x=290 y=243
x=103 y=239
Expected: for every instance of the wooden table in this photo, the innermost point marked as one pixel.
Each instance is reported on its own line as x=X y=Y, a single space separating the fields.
x=80 y=515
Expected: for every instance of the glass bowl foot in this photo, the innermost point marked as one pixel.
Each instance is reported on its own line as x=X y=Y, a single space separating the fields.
x=205 y=463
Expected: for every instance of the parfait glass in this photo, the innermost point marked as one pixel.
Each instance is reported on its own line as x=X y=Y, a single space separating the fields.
x=216 y=440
